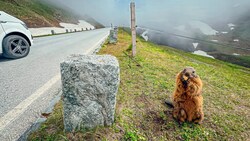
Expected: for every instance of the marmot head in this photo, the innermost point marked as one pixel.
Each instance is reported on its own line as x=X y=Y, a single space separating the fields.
x=188 y=73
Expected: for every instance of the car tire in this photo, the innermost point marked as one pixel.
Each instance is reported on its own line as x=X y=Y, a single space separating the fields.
x=15 y=46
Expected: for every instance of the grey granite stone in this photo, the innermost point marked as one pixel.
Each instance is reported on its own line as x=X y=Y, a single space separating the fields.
x=90 y=84
x=113 y=36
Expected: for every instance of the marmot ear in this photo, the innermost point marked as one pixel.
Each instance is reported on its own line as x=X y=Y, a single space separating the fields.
x=184 y=71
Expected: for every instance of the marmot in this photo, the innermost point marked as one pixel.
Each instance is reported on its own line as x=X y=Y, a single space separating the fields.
x=187 y=98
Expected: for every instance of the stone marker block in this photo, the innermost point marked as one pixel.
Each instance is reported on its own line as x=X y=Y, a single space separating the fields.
x=90 y=84
x=112 y=36
x=53 y=32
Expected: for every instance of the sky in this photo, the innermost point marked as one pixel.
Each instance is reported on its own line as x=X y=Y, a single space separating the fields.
x=158 y=12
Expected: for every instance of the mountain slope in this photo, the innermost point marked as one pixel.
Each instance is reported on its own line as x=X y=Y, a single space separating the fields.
x=242 y=30
x=36 y=13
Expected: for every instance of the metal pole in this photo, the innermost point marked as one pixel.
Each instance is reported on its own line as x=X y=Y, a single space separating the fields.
x=133 y=28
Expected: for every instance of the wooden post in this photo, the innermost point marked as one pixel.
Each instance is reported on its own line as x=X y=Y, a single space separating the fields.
x=133 y=28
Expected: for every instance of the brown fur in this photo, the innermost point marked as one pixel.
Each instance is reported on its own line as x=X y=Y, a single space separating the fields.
x=187 y=98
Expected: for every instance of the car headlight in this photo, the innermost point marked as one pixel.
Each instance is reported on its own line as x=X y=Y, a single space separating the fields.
x=25 y=26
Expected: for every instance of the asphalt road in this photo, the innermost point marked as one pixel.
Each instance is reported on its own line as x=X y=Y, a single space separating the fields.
x=27 y=85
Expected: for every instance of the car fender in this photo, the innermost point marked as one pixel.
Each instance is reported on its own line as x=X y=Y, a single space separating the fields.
x=2 y=35
x=11 y=27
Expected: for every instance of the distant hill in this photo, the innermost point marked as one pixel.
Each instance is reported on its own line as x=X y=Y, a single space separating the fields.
x=231 y=42
x=242 y=29
x=41 y=14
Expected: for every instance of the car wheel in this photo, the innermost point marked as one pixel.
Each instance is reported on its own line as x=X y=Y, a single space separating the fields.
x=15 y=46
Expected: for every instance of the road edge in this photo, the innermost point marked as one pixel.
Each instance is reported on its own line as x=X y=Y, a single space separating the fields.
x=35 y=126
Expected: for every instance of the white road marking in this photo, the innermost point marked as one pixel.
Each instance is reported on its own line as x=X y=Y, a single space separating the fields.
x=21 y=107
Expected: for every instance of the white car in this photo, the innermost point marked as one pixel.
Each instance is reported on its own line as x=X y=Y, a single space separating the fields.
x=15 y=38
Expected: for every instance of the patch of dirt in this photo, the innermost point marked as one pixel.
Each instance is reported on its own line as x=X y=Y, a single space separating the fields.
x=35 y=22
x=159 y=121
x=143 y=99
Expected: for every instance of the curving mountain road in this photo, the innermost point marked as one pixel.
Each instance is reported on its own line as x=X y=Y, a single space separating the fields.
x=27 y=85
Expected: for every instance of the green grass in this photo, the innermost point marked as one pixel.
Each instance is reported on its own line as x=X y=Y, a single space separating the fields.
x=148 y=81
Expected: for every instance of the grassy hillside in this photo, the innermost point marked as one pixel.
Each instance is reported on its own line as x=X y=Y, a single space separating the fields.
x=148 y=81
x=39 y=14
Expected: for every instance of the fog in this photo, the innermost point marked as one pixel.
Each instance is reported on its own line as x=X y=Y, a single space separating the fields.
x=158 y=13
x=181 y=23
